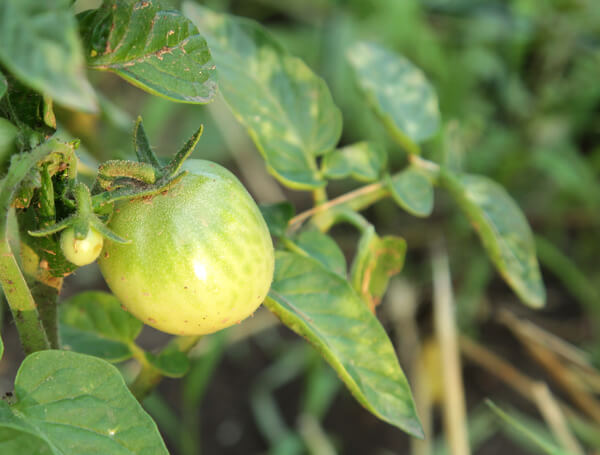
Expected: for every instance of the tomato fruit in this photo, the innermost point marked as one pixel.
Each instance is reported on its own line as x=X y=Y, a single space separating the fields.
x=81 y=251
x=200 y=258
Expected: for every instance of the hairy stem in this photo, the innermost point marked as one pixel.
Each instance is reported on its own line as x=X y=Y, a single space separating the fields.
x=46 y=298
x=22 y=305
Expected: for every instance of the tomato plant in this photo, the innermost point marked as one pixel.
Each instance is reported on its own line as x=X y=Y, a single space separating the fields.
x=184 y=248
x=207 y=242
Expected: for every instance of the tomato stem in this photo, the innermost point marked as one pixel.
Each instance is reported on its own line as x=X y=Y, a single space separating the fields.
x=149 y=376
x=23 y=307
x=360 y=198
x=46 y=298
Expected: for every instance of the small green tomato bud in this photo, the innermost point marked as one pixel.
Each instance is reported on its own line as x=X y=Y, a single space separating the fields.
x=84 y=251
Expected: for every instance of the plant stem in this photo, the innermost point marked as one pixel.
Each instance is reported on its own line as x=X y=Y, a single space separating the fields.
x=46 y=298
x=22 y=305
x=149 y=376
x=359 y=198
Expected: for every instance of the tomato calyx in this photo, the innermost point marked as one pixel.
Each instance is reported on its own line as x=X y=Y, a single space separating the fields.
x=83 y=227
x=123 y=179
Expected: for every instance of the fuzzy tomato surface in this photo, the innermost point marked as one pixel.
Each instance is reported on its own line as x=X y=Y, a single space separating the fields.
x=200 y=258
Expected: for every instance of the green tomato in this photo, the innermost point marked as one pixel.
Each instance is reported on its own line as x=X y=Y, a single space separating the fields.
x=81 y=251
x=200 y=258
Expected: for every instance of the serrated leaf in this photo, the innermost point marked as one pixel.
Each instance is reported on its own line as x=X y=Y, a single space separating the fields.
x=170 y=362
x=71 y=404
x=322 y=307
x=324 y=249
x=363 y=161
x=397 y=90
x=94 y=323
x=157 y=50
x=412 y=191
x=503 y=230
x=277 y=216
x=377 y=260
x=287 y=109
x=40 y=46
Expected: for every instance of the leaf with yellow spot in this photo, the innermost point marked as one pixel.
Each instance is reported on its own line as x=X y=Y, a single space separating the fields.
x=377 y=260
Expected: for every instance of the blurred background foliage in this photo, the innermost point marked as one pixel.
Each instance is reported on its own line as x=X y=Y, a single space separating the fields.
x=519 y=89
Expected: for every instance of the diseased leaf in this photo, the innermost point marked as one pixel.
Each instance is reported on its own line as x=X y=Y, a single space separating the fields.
x=503 y=230
x=287 y=109
x=157 y=50
x=397 y=90
x=40 y=46
x=71 y=404
x=277 y=216
x=323 y=248
x=413 y=191
x=377 y=260
x=322 y=307
x=363 y=161
x=94 y=323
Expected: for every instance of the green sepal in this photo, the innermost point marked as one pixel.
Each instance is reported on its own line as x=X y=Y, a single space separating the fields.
x=106 y=232
x=107 y=197
x=175 y=164
x=54 y=228
x=143 y=151
x=111 y=170
x=81 y=228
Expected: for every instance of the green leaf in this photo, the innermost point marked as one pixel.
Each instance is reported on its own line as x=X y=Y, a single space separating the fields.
x=322 y=307
x=320 y=246
x=94 y=323
x=413 y=191
x=503 y=230
x=27 y=109
x=287 y=109
x=157 y=50
x=3 y=85
x=170 y=362
x=363 y=161
x=71 y=404
x=377 y=260
x=538 y=441
x=8 y=137
x=277 y=216
x=40 y=46
x=1 y=347
x=398 y=92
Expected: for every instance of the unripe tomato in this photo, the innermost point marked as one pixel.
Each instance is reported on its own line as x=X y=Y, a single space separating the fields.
x=84 y=251
x=200 y=258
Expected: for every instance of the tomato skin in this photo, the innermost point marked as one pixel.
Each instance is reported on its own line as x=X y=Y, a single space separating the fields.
x=84 y=251
x=200 y=258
